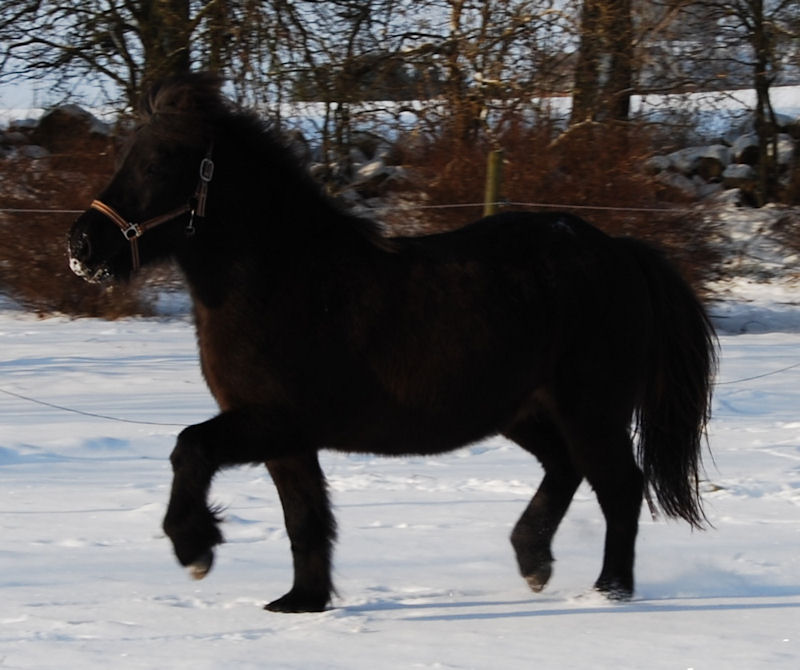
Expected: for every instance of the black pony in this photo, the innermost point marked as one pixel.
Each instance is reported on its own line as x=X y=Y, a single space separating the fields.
x=316 y=332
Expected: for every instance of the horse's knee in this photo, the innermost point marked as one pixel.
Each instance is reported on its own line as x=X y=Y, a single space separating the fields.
x=188 y=449
x=177 y=457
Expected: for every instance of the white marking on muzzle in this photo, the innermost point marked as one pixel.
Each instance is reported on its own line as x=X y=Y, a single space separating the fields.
x=78 y=268
x=85 y=273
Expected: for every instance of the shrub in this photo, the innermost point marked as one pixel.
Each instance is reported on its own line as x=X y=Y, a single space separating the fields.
x=33 y=256
x=589 y=166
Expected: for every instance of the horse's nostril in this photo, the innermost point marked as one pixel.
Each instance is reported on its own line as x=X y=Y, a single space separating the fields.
x=81 y=247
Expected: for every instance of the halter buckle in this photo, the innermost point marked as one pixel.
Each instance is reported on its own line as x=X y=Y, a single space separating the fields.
x=190 y=227
x=132 y=232
x=206 y=169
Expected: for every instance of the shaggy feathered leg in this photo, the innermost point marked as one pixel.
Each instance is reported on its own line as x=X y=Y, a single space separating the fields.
x=231 y=438
x=189 y=523
x=311 y=528
x=618 y=484
x=533 y=534
x=620 y=496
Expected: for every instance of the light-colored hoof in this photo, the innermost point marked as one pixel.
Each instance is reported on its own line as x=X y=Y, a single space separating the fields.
x=535 y=584
x=202 y=566
x=538 y=580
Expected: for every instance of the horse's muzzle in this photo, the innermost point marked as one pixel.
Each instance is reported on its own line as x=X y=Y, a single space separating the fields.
x=80 y=253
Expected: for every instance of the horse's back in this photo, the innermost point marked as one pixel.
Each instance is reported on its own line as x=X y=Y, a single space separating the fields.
x=508 y=235
x=471 y=327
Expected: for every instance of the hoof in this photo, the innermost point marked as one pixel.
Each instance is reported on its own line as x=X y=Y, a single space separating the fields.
x=535 y=563
x=614 y=590
x=193 y=539
x=297 y=602
x=538 y=579
x=199 y=568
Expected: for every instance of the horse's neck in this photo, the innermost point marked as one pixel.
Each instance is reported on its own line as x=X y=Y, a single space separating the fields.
x=244 y=252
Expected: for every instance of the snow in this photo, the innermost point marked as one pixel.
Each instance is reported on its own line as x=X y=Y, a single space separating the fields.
x=425 y=572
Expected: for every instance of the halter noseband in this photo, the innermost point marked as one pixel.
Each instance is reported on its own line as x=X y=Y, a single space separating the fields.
x=196 y=206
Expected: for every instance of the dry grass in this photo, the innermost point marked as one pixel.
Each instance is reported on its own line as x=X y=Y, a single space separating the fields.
x=590 y=166
x=33 y=256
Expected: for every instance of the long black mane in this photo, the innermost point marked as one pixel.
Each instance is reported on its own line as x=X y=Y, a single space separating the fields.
x=190 y=111
x=316 y=332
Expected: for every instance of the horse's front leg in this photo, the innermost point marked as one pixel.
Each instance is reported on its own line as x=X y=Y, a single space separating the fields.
x=189 y=522
x=311 y=528
x=232 y=438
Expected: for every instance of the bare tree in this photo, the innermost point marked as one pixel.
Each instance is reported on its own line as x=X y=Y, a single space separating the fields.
x=751 y=44
x=116 y=45
x=490 y=59
x=762 y=24
x=604 y=68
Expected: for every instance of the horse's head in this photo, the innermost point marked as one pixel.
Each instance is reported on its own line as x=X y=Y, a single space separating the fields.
x=159 y=190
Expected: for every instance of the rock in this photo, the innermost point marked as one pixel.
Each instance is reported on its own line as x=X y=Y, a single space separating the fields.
x=656 y=164
x=785 y=122
x=371 y=170
x=785 y=149
x=708 y=162
x=14 y=138
x=720 y=152
x=711 y=163
x=728 y=197
x=705 y=191
x=683 y=160
x=23 y=125
x=370 y=177
x=357 y=157
x=69 y=128
x=739 y=175
x=678 y=182
x=792 y=127
x=33 y=151
x=367 y=143
x=745 y=149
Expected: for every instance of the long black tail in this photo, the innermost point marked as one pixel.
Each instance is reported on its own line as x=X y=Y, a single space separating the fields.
x=675 y=404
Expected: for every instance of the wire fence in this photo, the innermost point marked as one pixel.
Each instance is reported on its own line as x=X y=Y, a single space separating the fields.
x=456 y=205
x=107 y=417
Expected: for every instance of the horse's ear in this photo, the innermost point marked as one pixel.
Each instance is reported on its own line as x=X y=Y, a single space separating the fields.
x=182 y=94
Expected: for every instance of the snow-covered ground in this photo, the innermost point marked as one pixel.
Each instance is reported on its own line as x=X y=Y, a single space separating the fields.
x=425 y=572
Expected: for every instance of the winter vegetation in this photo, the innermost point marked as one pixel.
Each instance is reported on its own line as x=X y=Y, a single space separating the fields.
x=675 y=121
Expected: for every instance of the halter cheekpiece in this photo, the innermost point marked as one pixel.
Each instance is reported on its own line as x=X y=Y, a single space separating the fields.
x=195 y=207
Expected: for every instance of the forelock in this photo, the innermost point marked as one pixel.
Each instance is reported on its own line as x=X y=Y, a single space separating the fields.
x=185 y=104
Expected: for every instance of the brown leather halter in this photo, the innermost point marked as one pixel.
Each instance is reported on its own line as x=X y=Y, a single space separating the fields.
x=196 y=206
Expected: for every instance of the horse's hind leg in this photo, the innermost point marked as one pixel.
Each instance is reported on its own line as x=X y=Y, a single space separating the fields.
x=533 y=534
x=311 y=528
x=607 y=461
x=620 y=497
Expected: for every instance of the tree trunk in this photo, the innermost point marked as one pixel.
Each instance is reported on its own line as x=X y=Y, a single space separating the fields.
x=603 y=79
x=764 y=121
x=585 y=89
x=616 y=96
x=164 y=26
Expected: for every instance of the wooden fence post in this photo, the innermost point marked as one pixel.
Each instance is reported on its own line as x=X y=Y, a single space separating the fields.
x=494 y=177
